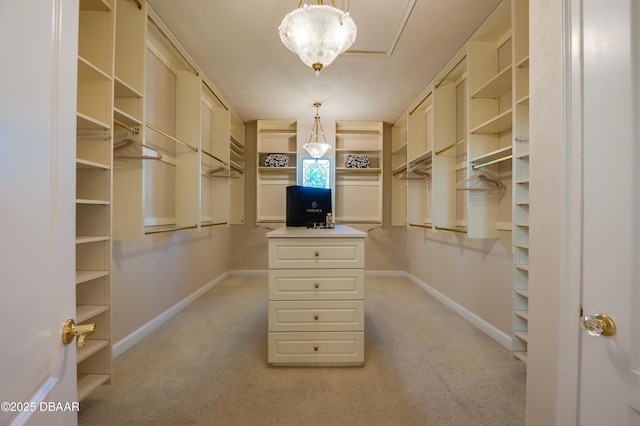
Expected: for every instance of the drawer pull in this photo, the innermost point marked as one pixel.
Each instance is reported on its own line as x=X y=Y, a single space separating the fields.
x=315 y=317
x=317 y=253
x=315 y=348
x=316 y=285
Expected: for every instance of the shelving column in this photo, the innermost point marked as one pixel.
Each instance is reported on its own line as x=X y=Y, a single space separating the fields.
x=277 y=160
x=94 y=190
x=359 y=171
x=399 y=171
x=521 y=179
x=490 y=122
x=237 y=163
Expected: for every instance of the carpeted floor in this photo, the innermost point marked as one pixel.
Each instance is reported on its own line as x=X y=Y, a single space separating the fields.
x=424 y=365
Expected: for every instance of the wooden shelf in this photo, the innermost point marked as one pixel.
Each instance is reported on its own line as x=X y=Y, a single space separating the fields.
x=353 y=170
x=91 y=165
x=522 y=335
x=87 y=383
x=522 y=314
x=522 y=356
x=523 y=293
x=85 y=312
x=90 y=348
x=497 y=87
x=84 y=276
x=493 y=155
x=91 y=239
x=92 y=202
x=498 y=124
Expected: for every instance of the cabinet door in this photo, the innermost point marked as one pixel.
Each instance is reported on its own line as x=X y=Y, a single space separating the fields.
x=336 y=348
x=316 y=284
x=323 y=315
x=315 y=253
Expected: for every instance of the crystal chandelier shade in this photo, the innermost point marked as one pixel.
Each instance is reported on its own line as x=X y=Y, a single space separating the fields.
x=315 y=148
x=317 y=34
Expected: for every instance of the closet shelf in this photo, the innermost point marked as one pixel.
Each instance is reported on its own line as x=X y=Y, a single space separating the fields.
x=91 y=239
x=89 y=71
x=424 y=157
x=522 y=314
x=523 y=267
x=402 y=149
x=87 y=383
x=126 y=118
x=493 y=155
x=353 y=170
x=523 y=293
x=92 y=202
x=497 y=87
x=498 y=124
x=523 y=101
x=84 y=276
x=84 y=121
x=85 y=312
x=522 y=335
x=523 y=63
x=91 y=165
x=95 y=5
x=523 y=246
x=522 y=356
x=91 y=347
x=123 y=90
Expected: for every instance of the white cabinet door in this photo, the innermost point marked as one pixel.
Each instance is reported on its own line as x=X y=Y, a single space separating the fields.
x=38 y=42
x=610 y=366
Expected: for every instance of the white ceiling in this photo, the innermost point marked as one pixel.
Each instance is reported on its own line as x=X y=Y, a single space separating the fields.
x=400 y=46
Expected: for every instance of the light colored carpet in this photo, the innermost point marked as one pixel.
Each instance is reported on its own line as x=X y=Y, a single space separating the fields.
x=424 y=365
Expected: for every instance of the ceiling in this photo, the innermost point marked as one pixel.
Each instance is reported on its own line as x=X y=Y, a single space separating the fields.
x=400 y=46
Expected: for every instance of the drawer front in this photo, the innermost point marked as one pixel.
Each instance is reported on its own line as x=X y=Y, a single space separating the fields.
x=298 y=348
x=316 y=284
x=334 y=315
x=316 y=253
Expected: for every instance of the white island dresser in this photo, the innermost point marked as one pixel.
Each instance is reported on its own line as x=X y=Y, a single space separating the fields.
x=316 y=296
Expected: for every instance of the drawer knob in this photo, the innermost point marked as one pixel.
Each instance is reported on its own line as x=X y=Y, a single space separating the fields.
x=316 y=285
x=315 y=316
x=317 y=253
x=315 y=348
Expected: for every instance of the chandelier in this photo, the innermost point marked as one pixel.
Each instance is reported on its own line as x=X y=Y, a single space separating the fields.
x=317 y=33
x=317 y=149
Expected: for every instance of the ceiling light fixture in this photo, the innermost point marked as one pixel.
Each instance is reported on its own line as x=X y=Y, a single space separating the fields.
x=317 y=33
x=317 y=149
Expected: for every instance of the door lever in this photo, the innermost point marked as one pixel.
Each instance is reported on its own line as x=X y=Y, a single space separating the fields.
x=71 y=329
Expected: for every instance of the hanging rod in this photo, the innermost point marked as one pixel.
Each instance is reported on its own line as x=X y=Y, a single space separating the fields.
x=418 y=106
x=441 y=228
x=126 y=126
x=173 y=138
x=421 y=226
x=450 y=71
x=215 y=96
x=489 y=163
x=451 y=146
x=214 y=157
x=204 y=225
x=237 y=169
x=159 y=231
x=184 y=59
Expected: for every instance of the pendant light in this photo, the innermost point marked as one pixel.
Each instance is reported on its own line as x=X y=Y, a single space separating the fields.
x=315 y=148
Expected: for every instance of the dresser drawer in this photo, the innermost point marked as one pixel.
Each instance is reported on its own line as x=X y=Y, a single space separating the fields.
x=316 y=253
x=316 y=284
x=319 y=348
x=334 y=315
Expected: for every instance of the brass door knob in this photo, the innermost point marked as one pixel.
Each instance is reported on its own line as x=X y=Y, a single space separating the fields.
x=71 y=329
x=598 y=325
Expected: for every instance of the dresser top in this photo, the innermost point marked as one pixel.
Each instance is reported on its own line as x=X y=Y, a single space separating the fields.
x=302 y=232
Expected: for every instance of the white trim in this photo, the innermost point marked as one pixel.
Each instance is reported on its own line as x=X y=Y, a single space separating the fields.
x=491 y=331
x=249 y=272
x=402 y=274
x=123 y=345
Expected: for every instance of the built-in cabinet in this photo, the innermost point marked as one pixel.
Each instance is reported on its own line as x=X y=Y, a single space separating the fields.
x=276 y=155
x=156 y=151
x=465 y=165
x=357 y=155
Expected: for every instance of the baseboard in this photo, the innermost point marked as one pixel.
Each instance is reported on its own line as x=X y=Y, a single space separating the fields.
x=249 y=272
x=123 y=345
x=491 y=331
x=385 y=273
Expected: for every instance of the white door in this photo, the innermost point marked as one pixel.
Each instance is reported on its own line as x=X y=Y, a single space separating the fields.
x=610 y=366
x=38 y=43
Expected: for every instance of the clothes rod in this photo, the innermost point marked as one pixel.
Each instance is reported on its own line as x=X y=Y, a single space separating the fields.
x=489 y=163
x=441 y=228
x=214 y=157
x=215 y=96
x=418 y=106
x=126 y=126
x=421 y=226
x=237 y=169
x=159 y=231
x=184 y=59
x=204 y=225
x=167 y=135
x=461 y=141
x=450 y=71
